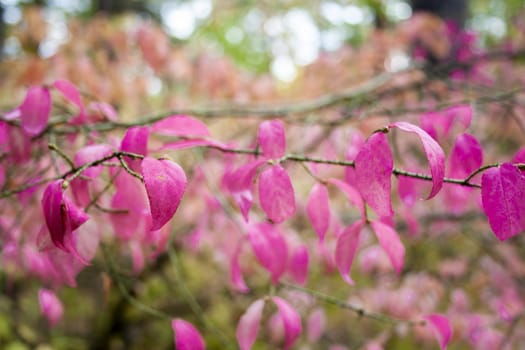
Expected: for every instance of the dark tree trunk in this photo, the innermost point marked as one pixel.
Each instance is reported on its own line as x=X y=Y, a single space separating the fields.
x=113 y=7
x=2 y=31
x=455 y=10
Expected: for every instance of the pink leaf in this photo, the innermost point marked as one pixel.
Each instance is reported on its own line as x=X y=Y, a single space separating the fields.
x=131 y=200
x=249 y=323
x=272 y=139
x=165 y=183
x=135 y=141
x=318 y=209
x=439 y=124
x=316 y=325
x=276 y=194
x=270 y=249
x=104 y=109
x=373 y=172
x=187 y=337
x=50 y=306
x=236 y=277
x=390 y=242
x=502 y=194
x=89 y=154
x=183 y=144
x=345 y=249
x=70 y=92
x=291 y=321
x=299 y=264
x=434 y=153
x=466 y=156
x=519 y=157
x=35 y=110
x=240 y=182
x=62 y=217
x=181 y=125
x=351 y=193
x=441 y=328
x=356 y=142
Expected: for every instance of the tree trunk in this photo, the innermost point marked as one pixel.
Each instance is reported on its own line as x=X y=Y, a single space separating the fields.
x=454 y=10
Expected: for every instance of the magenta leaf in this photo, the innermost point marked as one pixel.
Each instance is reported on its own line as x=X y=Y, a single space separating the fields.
x=249 y=323
x=89 y=154
x=502 y=194
x=439 y=124
x=272 y=139
x=345 y=249
x=183 y=144
x=351 y=194
x=236 y=277
x=316 y=325
x=135 y=141
x=434 y=153
x=466 y=156
x=270 y=249
x=357 y=141
x=291 y=321
x=441 y=328
x=70 y=92
x=35 y=110
x=62 y=217
x=391 y=244
x=240 y=182
x=181 y=125
x=165 y=183
x=187 y=337
x=132 y=217
x=103 y=109
x=318 y=209
x=299 y=264
x=373 y=172
x=276 y=194
x=50 y=306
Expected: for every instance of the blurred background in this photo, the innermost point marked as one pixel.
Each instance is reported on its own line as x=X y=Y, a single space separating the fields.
x=276 y=36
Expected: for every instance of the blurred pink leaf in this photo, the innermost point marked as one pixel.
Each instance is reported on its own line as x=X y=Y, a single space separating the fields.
x=502 y=194
x=187 y=337
x=89 y=154
x=50 y=306
x=181 y=125
x=276 y=194
x=70 y=92
x=291 y=321
x=434 y=153
x=441 y=327
x=249 y=323
x=270 y=248
x=351 y=194
x=240 y=183
x=345 y=249
x=390 y=242
x=318 y=209
x=165 y=183
x=236 y=277
x=272 y=139
x=35 y=110
x=298 y=265
x=466 y=156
